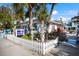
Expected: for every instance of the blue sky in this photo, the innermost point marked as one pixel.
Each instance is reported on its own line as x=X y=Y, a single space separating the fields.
x=5 y=4
x=65 y=10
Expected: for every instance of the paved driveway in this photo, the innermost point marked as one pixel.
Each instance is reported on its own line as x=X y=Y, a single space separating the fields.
x=8 y=48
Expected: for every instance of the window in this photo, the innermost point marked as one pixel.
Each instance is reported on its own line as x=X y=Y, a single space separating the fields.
x=72 y=28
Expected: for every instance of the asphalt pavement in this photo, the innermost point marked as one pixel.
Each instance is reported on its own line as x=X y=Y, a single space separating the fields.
x=65 y=49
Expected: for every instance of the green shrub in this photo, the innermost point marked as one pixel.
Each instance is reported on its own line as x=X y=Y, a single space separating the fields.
x=27 y=36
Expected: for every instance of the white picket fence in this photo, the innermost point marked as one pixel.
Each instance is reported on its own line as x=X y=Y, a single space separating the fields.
x=39 y=47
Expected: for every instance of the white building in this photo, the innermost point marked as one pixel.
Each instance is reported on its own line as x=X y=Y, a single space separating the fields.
x=75 y=22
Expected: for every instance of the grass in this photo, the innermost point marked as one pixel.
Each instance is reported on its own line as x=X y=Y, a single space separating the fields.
x=27 y=37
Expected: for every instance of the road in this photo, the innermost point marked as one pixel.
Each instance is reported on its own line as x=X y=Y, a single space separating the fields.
x=65 y=49
x=8 y=48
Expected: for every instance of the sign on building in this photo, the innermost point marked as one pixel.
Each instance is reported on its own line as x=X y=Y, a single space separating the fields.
x=20 y=32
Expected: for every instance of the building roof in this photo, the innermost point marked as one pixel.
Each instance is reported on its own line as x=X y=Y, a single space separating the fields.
x=76 y=18
x=55 y=23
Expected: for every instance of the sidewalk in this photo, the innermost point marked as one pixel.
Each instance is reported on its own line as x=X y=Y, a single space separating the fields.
x=8 y=48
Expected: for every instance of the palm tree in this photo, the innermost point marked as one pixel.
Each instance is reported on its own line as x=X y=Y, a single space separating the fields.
x=18 y=11
x=41 y=14
x=30 y=7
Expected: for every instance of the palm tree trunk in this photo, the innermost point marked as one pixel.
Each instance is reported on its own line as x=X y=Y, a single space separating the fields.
x=52 y=7
x=42 y=35
x=42 y=31
x=49 y=19
x=30 y=21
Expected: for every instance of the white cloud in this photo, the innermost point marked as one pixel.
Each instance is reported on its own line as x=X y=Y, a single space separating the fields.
x=73 y=11
x=64 y=19
x=70 y=12
x=68 y=19
x=52 y=19
x=54 y=12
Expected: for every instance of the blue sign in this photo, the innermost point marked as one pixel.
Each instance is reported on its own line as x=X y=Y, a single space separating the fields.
x=20 y=32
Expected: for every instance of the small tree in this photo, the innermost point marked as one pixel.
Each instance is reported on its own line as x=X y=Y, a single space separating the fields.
x=5 y=16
